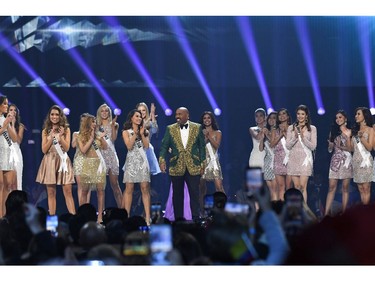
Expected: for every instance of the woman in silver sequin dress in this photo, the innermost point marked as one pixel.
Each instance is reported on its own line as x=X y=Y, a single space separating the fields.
x=110 y=127
x=362 y=144
x=212 y=172
x=340 y=168
x=137 y=170
x=264 y=145
x=278 y=142
x=301 y=141
x=6 y=167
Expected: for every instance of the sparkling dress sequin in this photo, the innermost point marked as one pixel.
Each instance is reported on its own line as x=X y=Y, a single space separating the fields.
x=361 y=174
x=341 y=163
x=297 y=155
x=90 y=176
x=109 y=154
x=278 y=162
x=268 y=163
x=136 y=168
x=5 y=164
x=211 y=172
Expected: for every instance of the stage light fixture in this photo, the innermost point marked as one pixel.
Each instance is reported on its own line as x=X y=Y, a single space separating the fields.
x=66 y=111
x=217 y=111
x=321 y=111
x=168 y=112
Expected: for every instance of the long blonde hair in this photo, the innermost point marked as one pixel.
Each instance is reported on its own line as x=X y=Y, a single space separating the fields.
x=99 y=118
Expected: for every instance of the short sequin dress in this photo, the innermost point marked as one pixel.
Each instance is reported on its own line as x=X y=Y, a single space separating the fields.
x=300 y=161
x=5 y=150
x=136 y=168
x=281 y=156
x=213 y=168
x=268 y=162
x=110 y=154
x=77 y=161
x=365 y=173
x=91 y=175
x=341 y=161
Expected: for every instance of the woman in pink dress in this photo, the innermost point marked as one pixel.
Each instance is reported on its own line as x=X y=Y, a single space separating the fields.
x=278 y=142
x=301 y=141
x=340 y=167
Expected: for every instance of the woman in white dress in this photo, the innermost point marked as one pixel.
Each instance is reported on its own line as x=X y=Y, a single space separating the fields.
x=256 y=158
x=7 y=152
x=19 y=130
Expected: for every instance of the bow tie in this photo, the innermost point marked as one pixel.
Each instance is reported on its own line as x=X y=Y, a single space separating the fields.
x=184 y=126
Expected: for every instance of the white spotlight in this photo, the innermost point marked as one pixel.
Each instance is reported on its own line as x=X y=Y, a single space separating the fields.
x=269 y=110
x=66 y=111
x=117 y=111
x=217 y=111
x=321 y=111
x=168 y=112
x=372 y=109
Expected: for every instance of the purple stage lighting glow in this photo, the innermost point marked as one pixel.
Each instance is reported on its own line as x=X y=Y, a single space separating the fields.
x=321 y=111
x=168 y=112
x=66 y=111
x=217 y=111
x=185 y=46
x=303 y=36
x=90 y=75
x=244 y=26
x=131 y=53
x=22 y=62
x=117 y=111
x=269 y=110
x=364 y=32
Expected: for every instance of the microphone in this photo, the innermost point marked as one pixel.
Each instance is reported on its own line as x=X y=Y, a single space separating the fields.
x=298 y=129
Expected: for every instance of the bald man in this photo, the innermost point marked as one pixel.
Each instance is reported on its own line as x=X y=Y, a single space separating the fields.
x=184 y=140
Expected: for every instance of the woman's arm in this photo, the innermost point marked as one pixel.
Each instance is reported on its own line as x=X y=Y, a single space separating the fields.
x=46 y=141
x=129 y=139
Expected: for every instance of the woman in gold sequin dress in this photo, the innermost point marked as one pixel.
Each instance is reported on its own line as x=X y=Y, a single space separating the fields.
x=93 y=173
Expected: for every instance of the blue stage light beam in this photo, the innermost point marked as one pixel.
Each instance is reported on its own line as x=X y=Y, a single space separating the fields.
x=185 y=46
x=245 y=29
x=364 y=31
x=304 y=40
x=29 y=70
x=134 y=58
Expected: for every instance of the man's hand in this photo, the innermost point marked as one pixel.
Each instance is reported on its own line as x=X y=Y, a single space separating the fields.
x=163 y=167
